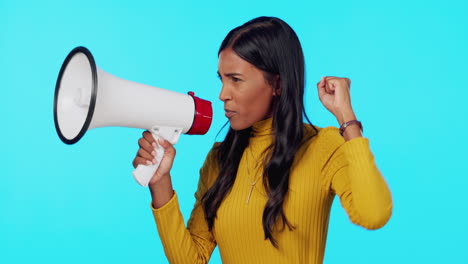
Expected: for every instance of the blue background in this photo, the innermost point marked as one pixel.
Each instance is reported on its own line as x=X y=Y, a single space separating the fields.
x=408 y=61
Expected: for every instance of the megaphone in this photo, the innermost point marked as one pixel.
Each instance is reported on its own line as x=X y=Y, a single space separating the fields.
x=86 y=97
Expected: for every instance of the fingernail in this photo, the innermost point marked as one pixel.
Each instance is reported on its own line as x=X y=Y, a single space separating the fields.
x=153 y=153
x=148 y=162
x=153 y=144
x=154 y=161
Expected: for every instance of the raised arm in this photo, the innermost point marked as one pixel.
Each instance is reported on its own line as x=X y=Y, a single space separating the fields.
x=351 y=172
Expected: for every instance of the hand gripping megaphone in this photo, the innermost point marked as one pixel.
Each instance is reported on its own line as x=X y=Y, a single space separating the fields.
x=86 y=97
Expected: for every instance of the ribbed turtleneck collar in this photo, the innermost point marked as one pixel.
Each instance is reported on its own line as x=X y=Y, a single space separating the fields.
x=262 y=128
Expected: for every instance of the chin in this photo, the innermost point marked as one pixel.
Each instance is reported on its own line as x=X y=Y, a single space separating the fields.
x=238 y=126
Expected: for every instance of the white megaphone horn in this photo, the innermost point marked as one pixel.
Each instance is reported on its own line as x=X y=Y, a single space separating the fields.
x=86 y=97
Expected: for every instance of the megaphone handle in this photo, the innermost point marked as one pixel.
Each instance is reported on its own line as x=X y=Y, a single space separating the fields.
x=144 y=173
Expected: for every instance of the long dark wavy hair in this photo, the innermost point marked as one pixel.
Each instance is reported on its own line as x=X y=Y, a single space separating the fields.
x=272 y=46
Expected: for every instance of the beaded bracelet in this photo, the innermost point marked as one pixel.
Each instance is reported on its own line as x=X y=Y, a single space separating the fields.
x=347 y=124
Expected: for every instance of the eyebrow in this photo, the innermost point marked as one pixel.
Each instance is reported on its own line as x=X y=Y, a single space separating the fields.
x=230 y=74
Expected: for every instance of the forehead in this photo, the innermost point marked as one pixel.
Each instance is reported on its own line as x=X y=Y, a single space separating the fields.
x=230 y=62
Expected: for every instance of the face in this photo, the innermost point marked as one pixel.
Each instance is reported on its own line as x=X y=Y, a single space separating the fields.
x=247 y=96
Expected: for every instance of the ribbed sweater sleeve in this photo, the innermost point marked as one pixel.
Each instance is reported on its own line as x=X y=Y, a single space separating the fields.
x=351 y=173
x=195 y=243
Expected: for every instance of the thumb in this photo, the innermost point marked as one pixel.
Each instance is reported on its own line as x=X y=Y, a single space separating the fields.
x=167 y=146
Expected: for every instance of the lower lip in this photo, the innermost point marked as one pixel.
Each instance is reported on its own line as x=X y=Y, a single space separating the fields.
x=230 y=114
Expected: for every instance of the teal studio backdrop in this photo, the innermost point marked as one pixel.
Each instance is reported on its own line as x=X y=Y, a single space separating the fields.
x=408 y=62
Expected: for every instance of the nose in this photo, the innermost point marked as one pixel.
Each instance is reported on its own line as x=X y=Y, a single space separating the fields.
x=225 y=93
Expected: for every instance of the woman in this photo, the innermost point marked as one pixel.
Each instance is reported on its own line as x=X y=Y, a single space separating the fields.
x=265 y=192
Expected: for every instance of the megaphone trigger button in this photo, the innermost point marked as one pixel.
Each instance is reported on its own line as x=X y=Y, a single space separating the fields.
x=154 y=130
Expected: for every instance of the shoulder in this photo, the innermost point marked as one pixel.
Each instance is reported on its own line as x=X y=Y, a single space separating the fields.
x=213 y=153
x=330 y=136
x=325 y=137
x=209 y=170
x=321 y=142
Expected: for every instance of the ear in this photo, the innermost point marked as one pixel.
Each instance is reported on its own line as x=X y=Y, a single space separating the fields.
x=277 y=86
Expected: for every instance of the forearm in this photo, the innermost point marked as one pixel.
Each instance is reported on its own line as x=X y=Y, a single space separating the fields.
x=352 y=131
x=161 y=191
x=191 y=244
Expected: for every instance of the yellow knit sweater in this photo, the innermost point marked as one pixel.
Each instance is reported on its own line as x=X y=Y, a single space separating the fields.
x=326 y=165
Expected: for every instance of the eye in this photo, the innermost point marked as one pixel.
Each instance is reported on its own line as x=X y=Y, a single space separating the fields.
x=235 y=79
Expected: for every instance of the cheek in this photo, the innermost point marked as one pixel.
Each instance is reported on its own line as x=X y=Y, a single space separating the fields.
x=256 y=105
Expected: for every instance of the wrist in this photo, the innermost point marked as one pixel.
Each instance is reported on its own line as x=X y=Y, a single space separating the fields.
x=160 y=182
x=161 y=192
x=347 y=124
x=351 y=132
x=345 y=116
x=344 y=113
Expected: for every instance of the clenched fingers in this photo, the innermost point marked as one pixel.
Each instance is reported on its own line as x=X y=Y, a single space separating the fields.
x=138 y=160
x=147 y=145
x=148 y=136
x=144 y=154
